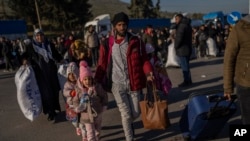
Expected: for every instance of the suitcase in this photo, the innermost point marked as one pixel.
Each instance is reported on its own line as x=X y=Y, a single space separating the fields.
x=205 y=115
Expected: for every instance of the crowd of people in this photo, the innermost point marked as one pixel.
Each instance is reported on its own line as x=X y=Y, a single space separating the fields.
x=75 y=48
x=124 y=61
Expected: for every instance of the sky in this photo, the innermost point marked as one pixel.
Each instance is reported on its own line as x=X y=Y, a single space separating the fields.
x=203 y=6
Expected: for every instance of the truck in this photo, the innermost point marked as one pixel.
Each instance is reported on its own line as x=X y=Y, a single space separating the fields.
x=102 y=24
x=13 y=29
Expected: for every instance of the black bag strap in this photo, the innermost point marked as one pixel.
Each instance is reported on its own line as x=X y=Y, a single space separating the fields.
x=151 y=88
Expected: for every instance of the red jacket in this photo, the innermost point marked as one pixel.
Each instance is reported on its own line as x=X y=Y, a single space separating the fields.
x=138 y=63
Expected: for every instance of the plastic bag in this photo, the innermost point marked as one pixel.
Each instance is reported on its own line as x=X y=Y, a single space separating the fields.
x=173 y=59
x=62 y=74
x=71 y=115
x=28 y=94
x=211 y=47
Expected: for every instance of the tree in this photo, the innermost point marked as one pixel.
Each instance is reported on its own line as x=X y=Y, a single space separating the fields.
x=65 y=13
x=144 y=9
x=68 y=13
x=21 y=10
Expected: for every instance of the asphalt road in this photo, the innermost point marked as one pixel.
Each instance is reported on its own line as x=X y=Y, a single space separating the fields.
x=206 y=75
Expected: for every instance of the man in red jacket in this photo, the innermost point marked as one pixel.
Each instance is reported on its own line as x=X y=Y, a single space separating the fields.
x=124 y=66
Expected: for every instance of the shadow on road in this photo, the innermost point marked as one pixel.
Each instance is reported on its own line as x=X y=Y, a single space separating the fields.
x=60 y=117
x=206 y=62
x=7 y=75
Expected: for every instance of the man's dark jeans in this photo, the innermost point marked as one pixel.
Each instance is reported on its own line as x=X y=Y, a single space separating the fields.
x=94 y=54
x=184 y=63
x=243 y=94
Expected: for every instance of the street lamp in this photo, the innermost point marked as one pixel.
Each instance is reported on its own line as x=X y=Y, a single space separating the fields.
x=38 y=15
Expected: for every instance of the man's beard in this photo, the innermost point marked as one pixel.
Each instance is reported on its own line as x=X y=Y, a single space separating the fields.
x=122 y=34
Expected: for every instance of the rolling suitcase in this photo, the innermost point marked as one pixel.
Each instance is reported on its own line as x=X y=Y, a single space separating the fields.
x=205 y=115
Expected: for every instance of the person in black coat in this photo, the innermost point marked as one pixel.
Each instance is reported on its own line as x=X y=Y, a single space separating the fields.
x=6 y=49
x=183 y=46
x=42 y=56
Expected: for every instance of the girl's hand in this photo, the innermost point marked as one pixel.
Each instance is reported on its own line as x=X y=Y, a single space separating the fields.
x=104 y=108
x=90 y=91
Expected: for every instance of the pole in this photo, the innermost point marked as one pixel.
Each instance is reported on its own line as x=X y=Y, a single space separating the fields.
x=38 y=15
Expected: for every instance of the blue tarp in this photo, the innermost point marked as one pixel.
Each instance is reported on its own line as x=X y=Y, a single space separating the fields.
x=13 y=27
x=196 y=23
x=142 y=23
x=213 y=15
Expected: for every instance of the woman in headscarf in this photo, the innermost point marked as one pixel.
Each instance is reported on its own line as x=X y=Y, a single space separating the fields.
x=42 y=56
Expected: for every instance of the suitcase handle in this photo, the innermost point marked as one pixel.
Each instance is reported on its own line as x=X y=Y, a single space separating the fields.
x=218 y=99
x=215 y=109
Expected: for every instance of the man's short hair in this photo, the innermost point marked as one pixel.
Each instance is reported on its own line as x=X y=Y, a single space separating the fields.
x=120 y=17
x=179 y=15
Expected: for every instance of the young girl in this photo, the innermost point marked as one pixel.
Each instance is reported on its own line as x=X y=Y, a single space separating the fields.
x=92 y=102
x=70 y=95
x=163 y=83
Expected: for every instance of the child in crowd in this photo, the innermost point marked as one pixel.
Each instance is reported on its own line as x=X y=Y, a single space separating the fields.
x=70 y=95
x=93 y=101
x=162 y=81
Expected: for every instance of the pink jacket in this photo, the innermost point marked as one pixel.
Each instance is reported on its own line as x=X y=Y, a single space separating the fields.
x=98 y=98
x=68 y=87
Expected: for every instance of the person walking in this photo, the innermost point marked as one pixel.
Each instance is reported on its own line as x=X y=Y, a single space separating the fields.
x=149 y=37
x=70 y=95
x=123 y=63
x=202 y=39
x=41 y=55
x=92 y=102
x=183 y=46
x=236 y=66
x=92 y=40
x=6 y=53
x=67 y=44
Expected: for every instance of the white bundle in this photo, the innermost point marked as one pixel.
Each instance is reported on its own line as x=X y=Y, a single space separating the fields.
x=173 y=59
x=62 y=74
x=211 y=47
x=28 y=94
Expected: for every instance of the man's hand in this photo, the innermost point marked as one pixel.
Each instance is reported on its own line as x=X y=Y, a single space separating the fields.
x=227 y=96
x=150 y=77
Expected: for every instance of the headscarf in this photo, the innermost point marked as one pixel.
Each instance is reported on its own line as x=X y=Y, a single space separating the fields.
x=42 y=48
